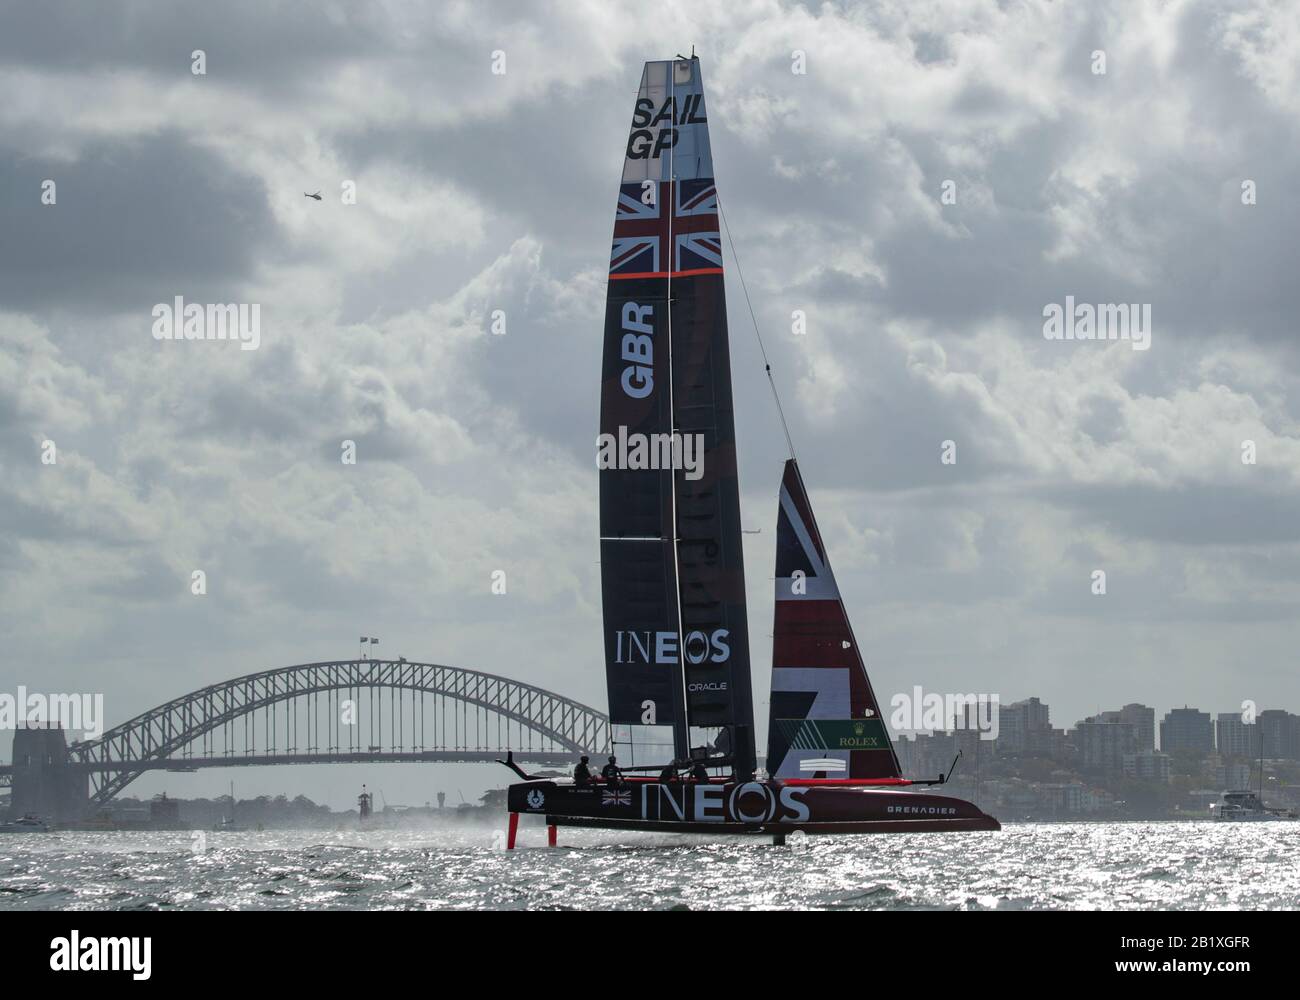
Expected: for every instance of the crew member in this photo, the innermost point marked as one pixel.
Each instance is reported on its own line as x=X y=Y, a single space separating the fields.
x=582 y=773
x=611 y=773
x=698 y=772
x=668 y=775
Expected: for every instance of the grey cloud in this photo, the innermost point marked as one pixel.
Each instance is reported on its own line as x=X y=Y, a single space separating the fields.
x=1205 y=514
x=136 y=222
x=290 y=42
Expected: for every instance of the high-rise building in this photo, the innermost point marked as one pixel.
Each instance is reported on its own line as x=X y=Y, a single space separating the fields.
x=1235 y=738
x=1186 y=730
x=1145 y=720
x=1018 y=724
x=932 y=754
x=1280 y=732
x=1103 y=740
x=1050 y=743
x=1147 y=765
x=905 y=749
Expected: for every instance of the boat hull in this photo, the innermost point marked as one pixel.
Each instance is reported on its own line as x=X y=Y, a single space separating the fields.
x=749 y=807
x=1254 y=817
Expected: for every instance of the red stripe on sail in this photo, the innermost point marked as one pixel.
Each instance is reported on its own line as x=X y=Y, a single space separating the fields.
x=665 y=274
x=812 y=634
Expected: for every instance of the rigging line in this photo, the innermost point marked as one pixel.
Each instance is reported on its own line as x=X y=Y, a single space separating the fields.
x=682 y=726
x=767 y=365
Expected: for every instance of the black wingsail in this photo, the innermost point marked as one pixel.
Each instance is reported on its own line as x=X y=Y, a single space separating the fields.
x=676 y=634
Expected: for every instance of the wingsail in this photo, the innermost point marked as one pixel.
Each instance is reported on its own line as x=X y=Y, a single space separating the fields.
x=825 y=720
x=672 y=570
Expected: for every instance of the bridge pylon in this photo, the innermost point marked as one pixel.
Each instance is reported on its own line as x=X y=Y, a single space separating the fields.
x=45 y=780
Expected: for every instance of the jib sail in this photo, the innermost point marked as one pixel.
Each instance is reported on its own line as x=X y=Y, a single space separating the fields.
x=672 y=570
x=825 y=721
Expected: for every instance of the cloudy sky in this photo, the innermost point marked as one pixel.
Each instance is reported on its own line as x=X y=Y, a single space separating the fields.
x=478 y=191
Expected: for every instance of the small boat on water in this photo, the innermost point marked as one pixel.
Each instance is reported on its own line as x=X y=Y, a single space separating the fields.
x=227 y=824
x=676 y=635
x=1246 y=806
x=25 y=824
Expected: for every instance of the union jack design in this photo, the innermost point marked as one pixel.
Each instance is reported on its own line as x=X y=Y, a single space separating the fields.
x=641 y=231
x=822 y=704
x=616 y=798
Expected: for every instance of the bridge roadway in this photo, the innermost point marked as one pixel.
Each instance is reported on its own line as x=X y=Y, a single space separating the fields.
x=342 y=757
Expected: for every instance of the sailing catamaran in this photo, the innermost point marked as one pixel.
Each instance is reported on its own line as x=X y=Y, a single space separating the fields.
x=672 y=571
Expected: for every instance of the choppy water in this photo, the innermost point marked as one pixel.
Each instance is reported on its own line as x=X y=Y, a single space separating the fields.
x=1076 y=866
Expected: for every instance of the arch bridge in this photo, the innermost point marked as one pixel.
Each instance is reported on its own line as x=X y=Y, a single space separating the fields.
x=341 y=711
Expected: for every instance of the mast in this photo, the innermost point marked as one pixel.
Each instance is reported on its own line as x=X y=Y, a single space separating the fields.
x=710 y=559
x=681 y=716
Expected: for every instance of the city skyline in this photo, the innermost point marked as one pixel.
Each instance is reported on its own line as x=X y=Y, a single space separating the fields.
x=1213 y=720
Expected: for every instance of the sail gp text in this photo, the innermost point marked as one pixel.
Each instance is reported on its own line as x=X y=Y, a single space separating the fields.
x=643 y=143
x=751 y=802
